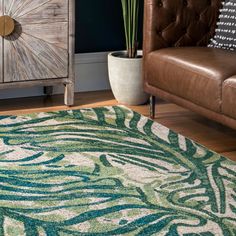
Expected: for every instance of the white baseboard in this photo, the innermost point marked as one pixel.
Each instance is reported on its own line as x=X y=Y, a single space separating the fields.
x=91 y=72
x=91 y=75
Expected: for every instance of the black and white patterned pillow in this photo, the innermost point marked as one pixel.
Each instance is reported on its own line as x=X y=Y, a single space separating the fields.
x=225 y=36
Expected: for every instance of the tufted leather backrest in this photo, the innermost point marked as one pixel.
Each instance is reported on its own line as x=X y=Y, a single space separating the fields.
x=173 y=23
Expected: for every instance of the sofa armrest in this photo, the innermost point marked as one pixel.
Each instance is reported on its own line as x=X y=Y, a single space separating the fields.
x=173 y=23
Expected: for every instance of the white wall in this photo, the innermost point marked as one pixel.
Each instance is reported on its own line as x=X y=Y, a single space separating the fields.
x=91 y=75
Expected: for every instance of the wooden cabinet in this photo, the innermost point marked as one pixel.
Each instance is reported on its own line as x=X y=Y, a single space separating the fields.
x=38 y=49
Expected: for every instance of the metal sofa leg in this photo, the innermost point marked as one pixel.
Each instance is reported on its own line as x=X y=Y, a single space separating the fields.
x=152 y=107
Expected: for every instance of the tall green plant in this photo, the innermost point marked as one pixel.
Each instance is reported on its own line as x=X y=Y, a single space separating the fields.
x=130 y=14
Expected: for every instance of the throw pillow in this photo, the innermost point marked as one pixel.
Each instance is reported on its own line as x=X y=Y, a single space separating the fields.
x=225 y=36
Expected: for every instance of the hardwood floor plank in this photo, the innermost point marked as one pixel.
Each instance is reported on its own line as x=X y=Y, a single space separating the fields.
x=230 y=155
x=206 y=132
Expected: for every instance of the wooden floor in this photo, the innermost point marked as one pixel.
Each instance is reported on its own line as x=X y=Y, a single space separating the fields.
x=208 y=133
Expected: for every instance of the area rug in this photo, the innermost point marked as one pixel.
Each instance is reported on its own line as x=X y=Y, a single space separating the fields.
x=110 y=171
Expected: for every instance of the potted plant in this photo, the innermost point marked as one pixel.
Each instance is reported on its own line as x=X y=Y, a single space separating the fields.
x=125 y=67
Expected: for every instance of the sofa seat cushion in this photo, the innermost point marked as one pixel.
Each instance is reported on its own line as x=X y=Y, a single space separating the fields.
x=193 y=73
x=229 y=97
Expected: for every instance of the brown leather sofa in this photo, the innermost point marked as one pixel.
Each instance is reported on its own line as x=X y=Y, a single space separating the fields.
x=178 y=66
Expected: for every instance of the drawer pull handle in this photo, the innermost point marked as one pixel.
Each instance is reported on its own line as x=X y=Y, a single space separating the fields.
x=7 y=25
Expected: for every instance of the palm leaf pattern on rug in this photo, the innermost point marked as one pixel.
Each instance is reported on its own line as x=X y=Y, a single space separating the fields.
x=110 y=171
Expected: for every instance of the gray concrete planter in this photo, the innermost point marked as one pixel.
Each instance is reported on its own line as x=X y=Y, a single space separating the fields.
x=125 y=76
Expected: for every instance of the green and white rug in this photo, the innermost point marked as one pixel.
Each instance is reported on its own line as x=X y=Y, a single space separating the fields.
x=110 y=171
